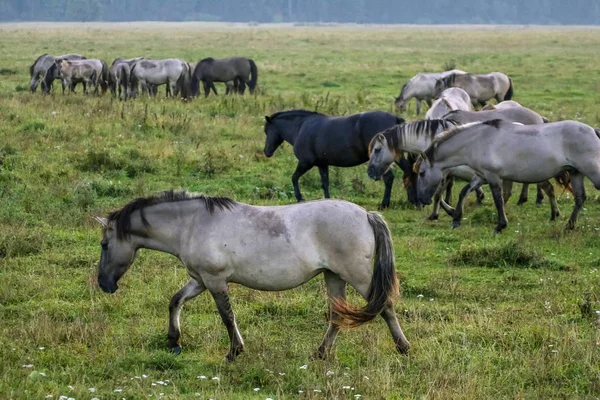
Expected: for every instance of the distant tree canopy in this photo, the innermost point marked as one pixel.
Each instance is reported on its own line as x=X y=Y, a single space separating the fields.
x=576 y=12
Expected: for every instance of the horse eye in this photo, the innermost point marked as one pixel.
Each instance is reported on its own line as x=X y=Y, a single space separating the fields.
x=422 y=173
x=377 y=151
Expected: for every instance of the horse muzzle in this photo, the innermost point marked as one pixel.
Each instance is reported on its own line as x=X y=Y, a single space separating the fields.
x=268 y=153
x=425 y=200
x=107 y=285
x=374 y=173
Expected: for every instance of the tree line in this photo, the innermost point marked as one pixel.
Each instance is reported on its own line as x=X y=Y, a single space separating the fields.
x=575 y=12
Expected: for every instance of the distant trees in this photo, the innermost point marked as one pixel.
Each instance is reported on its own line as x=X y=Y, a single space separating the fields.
x=358 y=11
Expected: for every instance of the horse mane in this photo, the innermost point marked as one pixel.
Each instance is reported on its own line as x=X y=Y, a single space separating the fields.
x=207 y=59
x=403 y=88
x=294 y=114
x=449 y=134
x=122 y=217
x=115 y=60
x=35 y=62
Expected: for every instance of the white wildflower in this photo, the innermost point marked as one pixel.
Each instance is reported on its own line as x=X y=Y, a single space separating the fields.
x=304 y=367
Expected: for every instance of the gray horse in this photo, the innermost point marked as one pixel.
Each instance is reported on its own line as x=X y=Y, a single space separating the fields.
x=40 y=66
x=119 y=75
x=274 y=248
x=421 y=87
x=242 y=71
x=451 y=99
x=172 y=72
x=498 y=150
x=480 y=88
x=88 y=71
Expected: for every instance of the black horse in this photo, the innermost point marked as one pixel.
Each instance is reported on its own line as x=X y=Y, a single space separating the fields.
x=323 y=140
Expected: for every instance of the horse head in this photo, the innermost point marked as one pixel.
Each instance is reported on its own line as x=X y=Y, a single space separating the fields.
x=273 y=138
x=430 y=176
x=381 y=156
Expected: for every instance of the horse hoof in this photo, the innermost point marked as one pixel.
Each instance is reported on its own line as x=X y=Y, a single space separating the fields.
x=455 y=224
x=432 y=217
x=403 y=349
x=176 y=350
x=521 y=202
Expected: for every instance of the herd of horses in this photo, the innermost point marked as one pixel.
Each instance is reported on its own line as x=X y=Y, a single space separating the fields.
x=124 y=77
x=281 y=247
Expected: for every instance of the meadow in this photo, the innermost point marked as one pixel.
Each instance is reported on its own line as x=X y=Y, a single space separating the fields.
x=510 y=315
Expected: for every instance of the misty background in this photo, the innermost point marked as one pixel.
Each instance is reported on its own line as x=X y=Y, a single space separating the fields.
x=573 y=12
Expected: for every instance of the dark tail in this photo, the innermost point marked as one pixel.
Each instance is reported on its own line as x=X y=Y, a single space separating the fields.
x=104 y=77
x=183 y=82
x=195 y=82
x=253 y=76
x=564 y=180
x=509 y=92
x=125 y=80
x=384 y=283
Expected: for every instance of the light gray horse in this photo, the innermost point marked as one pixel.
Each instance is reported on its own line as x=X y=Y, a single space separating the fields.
x=266 y=248
x=498 y=150
x=421 y=87
x=119 y=75
x=40 y=66
x=173 y=72
x=450 y=99
x=480 y=88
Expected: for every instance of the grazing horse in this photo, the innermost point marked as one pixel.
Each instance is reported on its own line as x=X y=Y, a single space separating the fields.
x=119 y=75
x=265 y=248
x=242 y=71
x=173 y=72
x=89 y=71
x=323 y=140
x=41 y=65
x=480 y=88
x=498 y=150
x=421 y=87
x=450 y=99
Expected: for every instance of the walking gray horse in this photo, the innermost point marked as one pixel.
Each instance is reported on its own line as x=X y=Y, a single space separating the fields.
x=451 y=99
x=242 y=71
x=513 y=112
x=39 y=67
x=498 y=150
x=265 y=248
x=421 y=87
x=480 y=88
x=173 y=72
x=119 y=75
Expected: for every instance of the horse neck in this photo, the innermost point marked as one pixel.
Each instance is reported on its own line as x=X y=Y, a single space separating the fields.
x=288 y=129
x=166 y=223
x=413 y=140
x=455 y=151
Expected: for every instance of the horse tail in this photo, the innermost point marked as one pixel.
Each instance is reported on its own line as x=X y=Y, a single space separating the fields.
x=104 y=77
x=564 y=180
x=183 y=81
x=195 y=82
x=253 y=75
x=384 y=283
x=125 y=79
x=509 y=92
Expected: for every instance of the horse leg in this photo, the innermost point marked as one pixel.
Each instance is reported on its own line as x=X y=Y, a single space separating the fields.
x=540 y=195
x=480 y=196
x=221 y=298
x=437 y=197
x=336 y=289
x=34 y=83
x=388 y=180
x=214 y=88
x=522 y=197
x=547 y=187
x=458 y=210
x=449 y=184
x=579 y=192
x=206 y=88
x=499 y=202
x=191 y=289
x=301 y=169
x=481 y=103
x=507 y=189
x=241 y=86
x=418 y=107
x=324 y=171
x=388 y=314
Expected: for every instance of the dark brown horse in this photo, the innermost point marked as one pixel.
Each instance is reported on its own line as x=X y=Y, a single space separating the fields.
x=242 y=71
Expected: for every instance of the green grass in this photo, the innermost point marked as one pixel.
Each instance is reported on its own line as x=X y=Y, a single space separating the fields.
x=489 y=316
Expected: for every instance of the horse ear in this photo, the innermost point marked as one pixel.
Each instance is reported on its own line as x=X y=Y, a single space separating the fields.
x=102 y=221
x=268 y=119
x=425 y=158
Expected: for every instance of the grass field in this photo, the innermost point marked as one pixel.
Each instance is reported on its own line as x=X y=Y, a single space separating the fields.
x=514 y=315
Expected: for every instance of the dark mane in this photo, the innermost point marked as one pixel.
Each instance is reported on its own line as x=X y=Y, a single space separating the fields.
x=115 y=60
x=402 y=90
x=122 y=217
x=294 y=114
x=49 y=76
x=35 y=62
